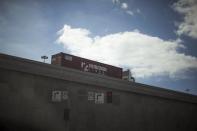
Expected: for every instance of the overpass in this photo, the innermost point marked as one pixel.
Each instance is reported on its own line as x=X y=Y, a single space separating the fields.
x=40 y=96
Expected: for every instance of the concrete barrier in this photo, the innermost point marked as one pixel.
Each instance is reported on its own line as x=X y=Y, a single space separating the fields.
x=39 y=96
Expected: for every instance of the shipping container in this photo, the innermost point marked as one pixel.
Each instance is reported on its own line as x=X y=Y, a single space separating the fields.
x=82 y=64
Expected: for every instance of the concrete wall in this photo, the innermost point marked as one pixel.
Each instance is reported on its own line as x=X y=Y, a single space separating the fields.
x=26 y=91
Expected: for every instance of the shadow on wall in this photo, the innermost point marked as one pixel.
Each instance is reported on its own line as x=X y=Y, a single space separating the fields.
x=16 y=126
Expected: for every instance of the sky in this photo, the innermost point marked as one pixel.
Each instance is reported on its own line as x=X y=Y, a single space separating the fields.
x=155 y=39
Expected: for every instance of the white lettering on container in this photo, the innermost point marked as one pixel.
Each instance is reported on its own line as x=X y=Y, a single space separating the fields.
x=96 y=68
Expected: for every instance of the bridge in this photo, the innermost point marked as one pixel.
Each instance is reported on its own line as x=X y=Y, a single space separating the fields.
x=40 y=96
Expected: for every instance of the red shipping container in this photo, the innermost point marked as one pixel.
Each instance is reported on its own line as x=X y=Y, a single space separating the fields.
x=86 y=65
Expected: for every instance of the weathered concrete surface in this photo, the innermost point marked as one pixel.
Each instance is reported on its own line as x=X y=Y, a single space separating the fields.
x=25 y=98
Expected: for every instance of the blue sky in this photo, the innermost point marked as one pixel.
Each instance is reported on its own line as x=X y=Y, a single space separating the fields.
x=156 y=39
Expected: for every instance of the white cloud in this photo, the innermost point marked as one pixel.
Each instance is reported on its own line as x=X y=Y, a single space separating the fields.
x=145 y=55
x=138 y=11
x=77 y=38
x=129 y=12
x=124 y=6
x=115 y=1
x=188 y=8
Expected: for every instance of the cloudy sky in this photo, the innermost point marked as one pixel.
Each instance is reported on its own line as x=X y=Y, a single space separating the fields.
x=155 y=39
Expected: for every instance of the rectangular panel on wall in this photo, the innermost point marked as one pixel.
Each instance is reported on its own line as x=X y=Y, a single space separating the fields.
x=91 y=95
x=99 y=98
x=58 y=95
x=109 y=96
x=66 y=114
